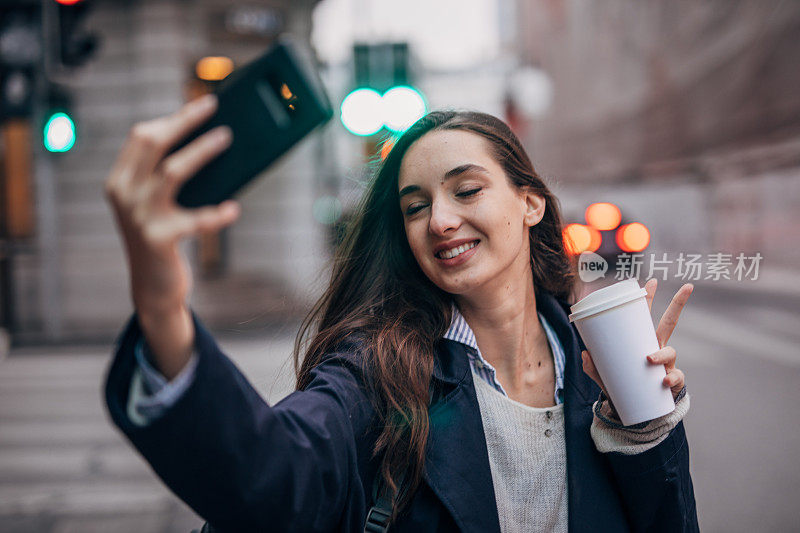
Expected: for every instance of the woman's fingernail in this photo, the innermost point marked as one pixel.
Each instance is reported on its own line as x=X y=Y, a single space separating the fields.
x=207 y=102
x=222 y=134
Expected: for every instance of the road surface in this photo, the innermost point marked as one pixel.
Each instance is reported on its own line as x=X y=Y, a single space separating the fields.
x=64 y=468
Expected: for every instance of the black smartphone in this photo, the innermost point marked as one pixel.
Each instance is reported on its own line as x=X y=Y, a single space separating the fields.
x=270 y=104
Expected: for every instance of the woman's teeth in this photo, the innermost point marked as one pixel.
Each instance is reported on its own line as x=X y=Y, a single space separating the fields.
x=458 y=250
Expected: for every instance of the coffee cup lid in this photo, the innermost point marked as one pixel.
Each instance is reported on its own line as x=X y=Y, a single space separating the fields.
x=606 y=298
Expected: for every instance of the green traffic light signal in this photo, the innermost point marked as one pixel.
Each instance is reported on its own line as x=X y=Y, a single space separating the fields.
x=361 y=112
x=59 y=133
x=365 y=111
x=402 y=107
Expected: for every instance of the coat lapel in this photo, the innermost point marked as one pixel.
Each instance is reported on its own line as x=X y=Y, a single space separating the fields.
x=580 y=384
x=457 y=461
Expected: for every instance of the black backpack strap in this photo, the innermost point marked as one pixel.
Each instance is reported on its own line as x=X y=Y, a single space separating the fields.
x=380 y=513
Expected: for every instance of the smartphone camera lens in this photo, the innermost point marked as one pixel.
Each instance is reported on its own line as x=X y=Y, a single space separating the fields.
x=289 y=98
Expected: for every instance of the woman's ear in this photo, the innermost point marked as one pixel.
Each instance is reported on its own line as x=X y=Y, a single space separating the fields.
x=534 y=208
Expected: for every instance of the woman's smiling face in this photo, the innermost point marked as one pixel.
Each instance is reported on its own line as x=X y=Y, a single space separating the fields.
x=466 y=223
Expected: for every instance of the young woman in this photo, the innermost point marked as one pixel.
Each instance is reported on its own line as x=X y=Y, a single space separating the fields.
x=438 y=373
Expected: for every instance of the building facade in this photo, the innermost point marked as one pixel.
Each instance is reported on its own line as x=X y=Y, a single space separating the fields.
x=71 y=283
x=686 y=114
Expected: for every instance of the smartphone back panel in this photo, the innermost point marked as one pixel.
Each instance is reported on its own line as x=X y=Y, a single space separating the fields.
x=270 y=105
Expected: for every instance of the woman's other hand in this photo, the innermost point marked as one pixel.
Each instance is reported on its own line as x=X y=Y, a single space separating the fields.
x=666 y=355
x=141 y=189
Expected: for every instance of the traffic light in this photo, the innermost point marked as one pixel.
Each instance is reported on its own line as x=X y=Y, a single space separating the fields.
x=20 y=55
x=402 y=106
x=59 y=133
x=362 y=112
x=75 y=44
x=16 y=92
x=384 y=97
x=365 y=111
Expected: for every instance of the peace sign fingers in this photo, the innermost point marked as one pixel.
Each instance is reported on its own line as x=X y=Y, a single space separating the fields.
x=650 y=287
x=670 y=317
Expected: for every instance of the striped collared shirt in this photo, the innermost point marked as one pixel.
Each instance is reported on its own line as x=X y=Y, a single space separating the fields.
x=459 y=331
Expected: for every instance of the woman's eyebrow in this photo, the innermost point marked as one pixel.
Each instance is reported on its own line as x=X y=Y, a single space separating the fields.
x=461 y=169
x=408 y=190
x=457 y=171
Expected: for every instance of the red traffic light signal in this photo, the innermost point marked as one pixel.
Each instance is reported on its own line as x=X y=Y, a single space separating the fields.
x=75 y=44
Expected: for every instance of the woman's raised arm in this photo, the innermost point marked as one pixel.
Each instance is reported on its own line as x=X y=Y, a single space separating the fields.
x=141 y=189
x=304 y=464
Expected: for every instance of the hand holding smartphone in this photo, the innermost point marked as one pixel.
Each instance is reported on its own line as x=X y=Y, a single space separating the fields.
x=269 y=105
x=201 y=155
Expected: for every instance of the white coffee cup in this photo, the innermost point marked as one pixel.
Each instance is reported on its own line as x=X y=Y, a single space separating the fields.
x=615 y=325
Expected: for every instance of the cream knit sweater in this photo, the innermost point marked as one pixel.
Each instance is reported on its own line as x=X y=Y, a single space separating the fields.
x=527 y=454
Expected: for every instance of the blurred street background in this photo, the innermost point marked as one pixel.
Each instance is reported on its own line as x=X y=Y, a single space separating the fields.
x=669 y=130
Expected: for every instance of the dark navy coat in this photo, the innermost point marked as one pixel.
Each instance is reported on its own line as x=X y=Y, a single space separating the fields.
x=305 y=464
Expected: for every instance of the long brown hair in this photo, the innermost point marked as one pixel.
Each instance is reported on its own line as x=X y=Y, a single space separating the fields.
x=379 y=293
